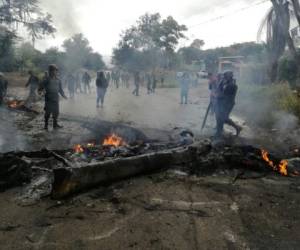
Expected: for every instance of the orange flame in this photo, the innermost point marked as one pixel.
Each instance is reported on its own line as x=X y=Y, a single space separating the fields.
x=281 y=168
x=114 y=140
x=13 y=104
x=78 y=149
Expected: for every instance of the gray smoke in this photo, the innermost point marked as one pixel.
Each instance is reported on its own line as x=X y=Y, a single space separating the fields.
x=11 y=138
x=65 y=15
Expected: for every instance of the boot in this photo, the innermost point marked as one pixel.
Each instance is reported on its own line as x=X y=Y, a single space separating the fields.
x=56 y=125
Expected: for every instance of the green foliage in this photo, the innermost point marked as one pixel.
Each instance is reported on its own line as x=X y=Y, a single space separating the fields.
x=27 y=14
x=287 y=69
x=149 y=44
x=286 y=99
x=7 y=56
x=94 y=62
x=78 y=54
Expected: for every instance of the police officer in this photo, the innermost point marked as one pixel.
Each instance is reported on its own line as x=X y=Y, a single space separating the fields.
x=3 y=87
x=225 y=101
x=53 y=87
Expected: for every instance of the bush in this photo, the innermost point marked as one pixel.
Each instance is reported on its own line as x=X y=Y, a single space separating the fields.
x=261 y=104
x=287 y=70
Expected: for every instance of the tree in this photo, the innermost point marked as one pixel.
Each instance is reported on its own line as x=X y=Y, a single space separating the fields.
x=94 y=62
x=78 y=54
x=150 y=43
x=277 y=23
x=197 y=44
x=26 y=54
x=27 y=14
x=7 y=56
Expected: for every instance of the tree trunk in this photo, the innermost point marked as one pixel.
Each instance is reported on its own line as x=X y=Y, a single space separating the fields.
x=296 y=6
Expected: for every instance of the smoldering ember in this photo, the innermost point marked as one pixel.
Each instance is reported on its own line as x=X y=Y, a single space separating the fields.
x=149 y=125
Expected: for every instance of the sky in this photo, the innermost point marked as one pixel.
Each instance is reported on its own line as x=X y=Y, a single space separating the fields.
x=217 y=22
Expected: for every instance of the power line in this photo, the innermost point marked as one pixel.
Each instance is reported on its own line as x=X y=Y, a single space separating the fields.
x=229 y=14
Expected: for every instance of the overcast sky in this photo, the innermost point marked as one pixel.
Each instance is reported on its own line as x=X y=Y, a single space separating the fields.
x=102 y=21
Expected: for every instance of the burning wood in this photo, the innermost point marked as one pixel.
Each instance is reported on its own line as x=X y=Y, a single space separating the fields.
x=20 y=106
x=282 y=167
x=15 y=104
x=114 y=140
x=72 y=180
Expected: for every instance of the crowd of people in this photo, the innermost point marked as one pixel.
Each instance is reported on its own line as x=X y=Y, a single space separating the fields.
x=223 y=90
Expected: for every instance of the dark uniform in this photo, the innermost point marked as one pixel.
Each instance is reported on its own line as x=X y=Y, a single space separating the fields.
x=53 y=87
x=86 y=79
x=149 y=83
x=3 y=88
x=137 y=81
x=102 y=85
x=225 y=101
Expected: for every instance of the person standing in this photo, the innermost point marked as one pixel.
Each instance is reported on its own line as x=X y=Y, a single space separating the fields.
x=226 y=94
x=102 y=85
x=33 y=82
x=71 y=82
x=184 y=88
x=154 y=82
x=53 y=87
x=149 y=84
x=86 y=79
x=137 y=81
x=3 y=87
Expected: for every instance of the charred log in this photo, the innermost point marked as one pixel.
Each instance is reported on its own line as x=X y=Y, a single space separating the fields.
x=68 y=181
x=14 y=171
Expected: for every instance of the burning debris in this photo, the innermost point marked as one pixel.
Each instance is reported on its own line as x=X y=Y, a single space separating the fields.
x=19 y=105
x=281 y=167
x=89 y=165
x=114 y=140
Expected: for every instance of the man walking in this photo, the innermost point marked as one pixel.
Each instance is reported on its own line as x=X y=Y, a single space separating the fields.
x=225 y=101
x=33 y=83
x=86 y=79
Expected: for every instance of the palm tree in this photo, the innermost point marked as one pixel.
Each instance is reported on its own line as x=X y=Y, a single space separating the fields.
x=277 y=24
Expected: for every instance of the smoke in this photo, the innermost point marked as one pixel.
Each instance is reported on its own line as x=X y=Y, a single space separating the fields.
x=285 y=122
x=11 y=138
x=65 y=15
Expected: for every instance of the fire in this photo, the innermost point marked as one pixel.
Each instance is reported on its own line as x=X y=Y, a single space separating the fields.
x=281 y=168
x=78 y=149
x=114 y=140
x=13 y=104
